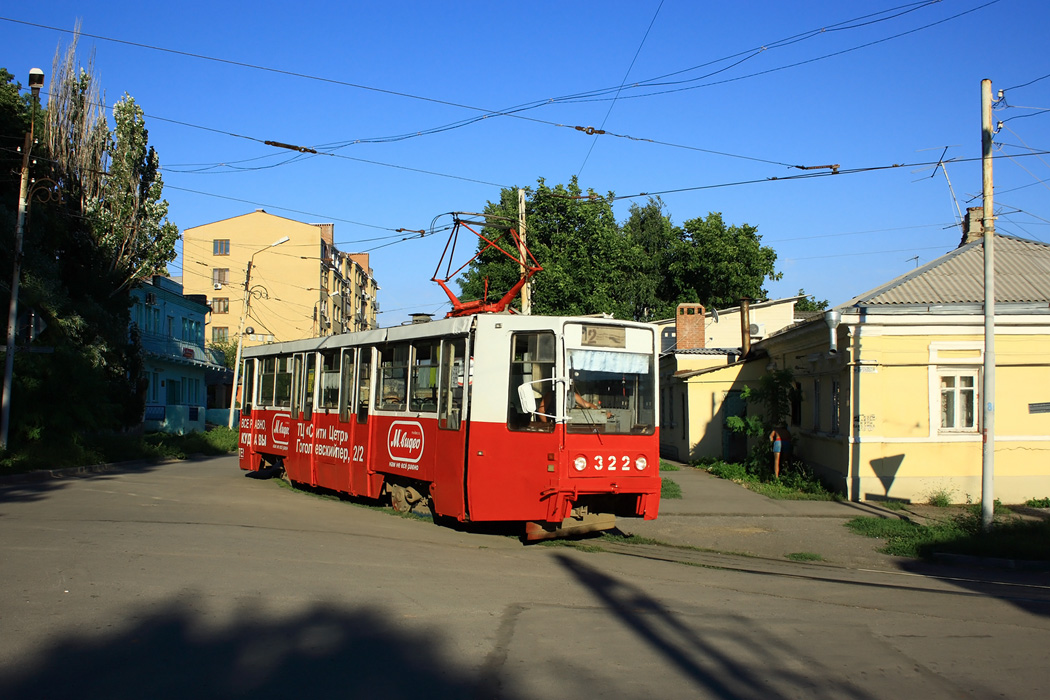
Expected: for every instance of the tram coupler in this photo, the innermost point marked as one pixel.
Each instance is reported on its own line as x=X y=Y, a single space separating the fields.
x=573 y=525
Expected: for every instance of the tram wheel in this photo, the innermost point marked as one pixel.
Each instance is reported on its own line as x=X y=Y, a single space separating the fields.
x=399 y=498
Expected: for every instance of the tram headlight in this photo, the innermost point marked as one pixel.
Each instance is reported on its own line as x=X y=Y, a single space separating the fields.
x=580 y=463
x=641 y=463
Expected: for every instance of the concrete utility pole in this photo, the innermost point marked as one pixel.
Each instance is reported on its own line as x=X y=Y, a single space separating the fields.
x=36 y=81
x=526 y=291
x=988 y=387
x=240 y=326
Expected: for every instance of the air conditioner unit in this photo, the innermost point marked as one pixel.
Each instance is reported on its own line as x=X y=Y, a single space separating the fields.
x=758 y=330
x=218 y=286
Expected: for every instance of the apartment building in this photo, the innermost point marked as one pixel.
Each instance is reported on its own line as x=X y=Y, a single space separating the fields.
x=299 y=284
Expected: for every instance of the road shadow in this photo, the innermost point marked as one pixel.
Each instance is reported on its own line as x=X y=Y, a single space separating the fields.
x=724 y=659
x=176 y=653
x=36 y=485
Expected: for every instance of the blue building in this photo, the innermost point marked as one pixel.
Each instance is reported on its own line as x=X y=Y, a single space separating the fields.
x=178 y=367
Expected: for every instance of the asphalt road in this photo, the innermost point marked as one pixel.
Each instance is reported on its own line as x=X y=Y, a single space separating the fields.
x=188 y=580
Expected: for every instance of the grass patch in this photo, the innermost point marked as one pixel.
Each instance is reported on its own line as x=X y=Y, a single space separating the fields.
x=668 y=467
x=892 y=504
x=1038 y=502
x=572 y=544
x=804 y=556
x=627 y=539
x=109 y=448
x=796 y=482
x=670 y=489
x=1009 y=538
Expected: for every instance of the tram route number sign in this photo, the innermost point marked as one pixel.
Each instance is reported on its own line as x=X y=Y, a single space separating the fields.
x=604 y=337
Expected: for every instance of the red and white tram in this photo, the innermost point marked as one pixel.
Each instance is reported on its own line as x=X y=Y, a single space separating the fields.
x=549 y=421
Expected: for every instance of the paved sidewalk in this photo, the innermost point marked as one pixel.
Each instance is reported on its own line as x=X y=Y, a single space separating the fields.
x=720 y=515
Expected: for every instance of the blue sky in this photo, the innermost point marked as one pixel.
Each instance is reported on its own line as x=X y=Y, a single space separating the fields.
x=886 y=83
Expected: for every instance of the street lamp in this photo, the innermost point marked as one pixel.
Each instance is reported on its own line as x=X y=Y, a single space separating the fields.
x=36 y=81
x=240 y=326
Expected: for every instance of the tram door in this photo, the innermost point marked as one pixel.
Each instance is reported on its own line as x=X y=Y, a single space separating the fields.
x=302 y=439
x=357 y=370
x=454 y=382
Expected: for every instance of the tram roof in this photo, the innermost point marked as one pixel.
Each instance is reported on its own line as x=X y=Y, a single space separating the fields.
x=457 y=326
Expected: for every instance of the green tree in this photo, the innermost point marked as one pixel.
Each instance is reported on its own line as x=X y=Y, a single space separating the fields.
x=640 y=270
x=810 y=303
x=129 y=220
x=654 y=241
x=585 y=258
x=95 y=226
x=228 y=348
x=717 y=265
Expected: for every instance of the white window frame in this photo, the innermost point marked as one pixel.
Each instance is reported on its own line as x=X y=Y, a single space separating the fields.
x=958 y=392
x=954 y=358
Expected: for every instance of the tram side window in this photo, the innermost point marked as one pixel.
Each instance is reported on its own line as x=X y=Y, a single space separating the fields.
x=424 y=386
x=282 y=386
x=266 y=381
x=532 y=361
x=329 y=379
x=364 y=384
x=393 y=373
x=248 y=395
x=450 y=407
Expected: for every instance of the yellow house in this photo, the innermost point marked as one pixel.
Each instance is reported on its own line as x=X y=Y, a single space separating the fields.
x=895 y=412
x=702 y=377
x=299 y=284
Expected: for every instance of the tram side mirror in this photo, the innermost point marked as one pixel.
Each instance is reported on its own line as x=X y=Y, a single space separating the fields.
x=526 y=398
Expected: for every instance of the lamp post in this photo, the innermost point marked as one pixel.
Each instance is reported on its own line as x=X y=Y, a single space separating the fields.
x=36 y=81
x=240 y=325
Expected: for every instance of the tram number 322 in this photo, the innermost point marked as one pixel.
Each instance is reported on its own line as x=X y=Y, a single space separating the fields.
x=608 y=463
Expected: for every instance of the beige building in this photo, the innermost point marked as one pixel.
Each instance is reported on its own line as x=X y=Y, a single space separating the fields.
x=894 y=408
x=702 y=377
x=896 y=411
x=299 y=284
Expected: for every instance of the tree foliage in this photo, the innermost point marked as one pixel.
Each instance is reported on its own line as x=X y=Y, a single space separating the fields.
x=96 y=224
x=639 y=270
x=810 y=303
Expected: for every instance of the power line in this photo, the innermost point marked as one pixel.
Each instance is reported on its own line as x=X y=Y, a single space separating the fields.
x=856 y=233
x=274 y=206
x=798 y=63
x=874 y=252
x=806 y=176
x=1030 y=82
x=622 y=83
x=488 y=113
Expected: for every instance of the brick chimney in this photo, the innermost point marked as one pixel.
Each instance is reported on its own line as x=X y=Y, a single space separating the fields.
x=689 y=326
x=972 y=225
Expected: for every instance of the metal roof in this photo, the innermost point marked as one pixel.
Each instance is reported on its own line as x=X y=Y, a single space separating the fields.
x=1022 y=275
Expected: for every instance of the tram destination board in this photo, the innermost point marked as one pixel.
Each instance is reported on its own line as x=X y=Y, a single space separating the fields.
x=604 y=337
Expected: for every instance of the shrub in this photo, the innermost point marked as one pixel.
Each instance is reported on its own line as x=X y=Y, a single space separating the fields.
x=941 y=498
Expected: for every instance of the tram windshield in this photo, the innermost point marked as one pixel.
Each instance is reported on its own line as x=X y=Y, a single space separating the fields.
x=611 y=392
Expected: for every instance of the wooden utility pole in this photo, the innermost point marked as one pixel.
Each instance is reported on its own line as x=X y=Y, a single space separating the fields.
x=526 y=291
x=988 y=385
